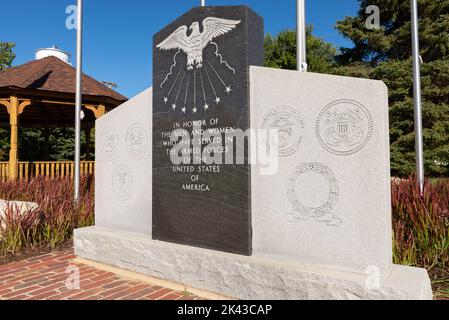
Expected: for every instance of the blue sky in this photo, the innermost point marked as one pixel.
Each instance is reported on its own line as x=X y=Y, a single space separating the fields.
x=118 y=34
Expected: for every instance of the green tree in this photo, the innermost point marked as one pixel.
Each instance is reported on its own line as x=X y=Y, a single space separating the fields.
x=6 y=59
x=7 y=55
x=280 y=51
x=385 y=54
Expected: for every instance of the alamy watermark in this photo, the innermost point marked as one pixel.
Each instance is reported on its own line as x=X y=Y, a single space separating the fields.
x=373 y=20
x=72 y=15
x=218 y=146
x=72 y=281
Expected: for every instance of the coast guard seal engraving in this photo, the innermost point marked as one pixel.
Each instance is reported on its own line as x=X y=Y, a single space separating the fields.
x=344 y=127
x=290 y=127
x=109 y=142
x=136 y=141
x=122 y=182
x=313 y=192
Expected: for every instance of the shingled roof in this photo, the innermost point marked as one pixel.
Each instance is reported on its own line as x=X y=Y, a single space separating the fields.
x=52 y=74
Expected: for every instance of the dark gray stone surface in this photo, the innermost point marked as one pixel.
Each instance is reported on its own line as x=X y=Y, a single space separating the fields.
x=219 y=216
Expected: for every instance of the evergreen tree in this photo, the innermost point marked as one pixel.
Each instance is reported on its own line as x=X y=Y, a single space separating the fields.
x=385 y=54
x=6 y=59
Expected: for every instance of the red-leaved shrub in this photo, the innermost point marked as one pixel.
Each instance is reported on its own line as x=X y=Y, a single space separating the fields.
x=53 y=222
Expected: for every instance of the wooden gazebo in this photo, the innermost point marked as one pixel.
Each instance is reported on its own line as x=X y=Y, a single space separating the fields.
x=41 y=94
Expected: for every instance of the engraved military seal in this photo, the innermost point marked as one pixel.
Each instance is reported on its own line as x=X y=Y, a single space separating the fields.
x=109 y=143
x=344 y=127
x=136 y=141
x=290 y=126
x=313 y=193
x=122 y=182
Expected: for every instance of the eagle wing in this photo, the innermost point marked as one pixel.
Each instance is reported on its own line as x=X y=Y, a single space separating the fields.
x=214 y=27
x=177 y=40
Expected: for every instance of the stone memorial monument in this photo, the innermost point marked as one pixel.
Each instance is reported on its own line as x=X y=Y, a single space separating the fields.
x=123 y=167
x=201 y=76
x=318 y=227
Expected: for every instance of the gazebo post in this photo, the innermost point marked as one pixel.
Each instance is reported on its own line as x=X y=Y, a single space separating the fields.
x=13 y=111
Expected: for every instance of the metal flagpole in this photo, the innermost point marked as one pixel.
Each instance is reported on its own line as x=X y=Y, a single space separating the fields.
x=301 y=36
x=78 y=102
x=417 y=96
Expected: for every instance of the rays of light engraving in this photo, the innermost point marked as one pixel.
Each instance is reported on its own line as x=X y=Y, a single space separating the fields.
x=179 y=91
x=171 y=68
x=166 y=98
x=186 y=95
x=206 y=106
x=222 y=61
x=217 y=99
x=227 y=88
x=194 y=91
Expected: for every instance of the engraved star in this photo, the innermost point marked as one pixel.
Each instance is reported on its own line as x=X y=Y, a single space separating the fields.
x=206 y=107
x=173 y=106
x=217 y=100
x=228 y=90
x=183 y=110
x=194 y=109
x=165 y=100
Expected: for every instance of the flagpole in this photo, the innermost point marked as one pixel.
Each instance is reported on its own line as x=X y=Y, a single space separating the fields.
x=78 y=98
x=301 y=59
x=419 y=144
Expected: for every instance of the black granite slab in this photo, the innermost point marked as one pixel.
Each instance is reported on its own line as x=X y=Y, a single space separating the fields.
x=218 y=217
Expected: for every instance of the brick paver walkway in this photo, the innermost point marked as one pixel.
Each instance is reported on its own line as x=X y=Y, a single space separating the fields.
x=45 y=277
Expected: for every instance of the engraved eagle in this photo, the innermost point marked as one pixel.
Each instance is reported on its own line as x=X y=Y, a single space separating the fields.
x=194 y=44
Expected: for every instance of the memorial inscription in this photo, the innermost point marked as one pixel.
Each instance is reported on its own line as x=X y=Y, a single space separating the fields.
x=201 y=89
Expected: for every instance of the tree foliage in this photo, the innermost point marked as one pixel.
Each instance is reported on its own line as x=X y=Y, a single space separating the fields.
x=385 y=54
x=7 y=55
x=280 y=51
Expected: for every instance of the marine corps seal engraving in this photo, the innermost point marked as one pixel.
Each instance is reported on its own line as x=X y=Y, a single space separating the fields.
x=344 y=127
x=136 y=141
x=290 y=126
x=319 y=212
x=109 y=143
x=122 y=182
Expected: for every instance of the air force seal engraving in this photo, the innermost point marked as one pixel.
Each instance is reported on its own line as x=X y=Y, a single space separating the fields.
x=122 y=182
x=344 y=127
x=136 y=141
x=109 y=143
x=321 y=211
x=290 y=126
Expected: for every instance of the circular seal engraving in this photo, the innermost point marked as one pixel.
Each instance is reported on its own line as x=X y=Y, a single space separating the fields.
x=290 y=126
x=136 y=141
x=313 y=192
x=109 y=141
x=344 y=127
x=122 y=182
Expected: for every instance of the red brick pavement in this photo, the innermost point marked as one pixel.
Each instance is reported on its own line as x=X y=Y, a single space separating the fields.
x=45 y=277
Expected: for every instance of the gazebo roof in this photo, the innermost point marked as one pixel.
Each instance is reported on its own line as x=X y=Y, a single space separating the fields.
x=49 y=85
x=53 y=75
